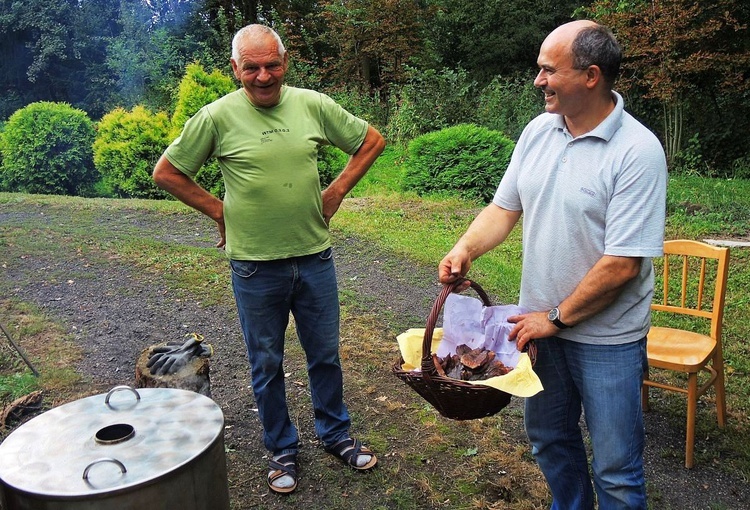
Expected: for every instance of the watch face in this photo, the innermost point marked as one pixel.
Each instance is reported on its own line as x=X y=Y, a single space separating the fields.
x=553 y=314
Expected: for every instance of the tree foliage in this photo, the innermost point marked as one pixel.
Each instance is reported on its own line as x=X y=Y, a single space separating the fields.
x=686 y=55
x=493 y=37
x=47 y=149
x=372 y=40
x=673 y=47
x=53 y=50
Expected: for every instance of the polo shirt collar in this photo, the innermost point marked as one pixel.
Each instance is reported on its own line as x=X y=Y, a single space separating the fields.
x=607 y=128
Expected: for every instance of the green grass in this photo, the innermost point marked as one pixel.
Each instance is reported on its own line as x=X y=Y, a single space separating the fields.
x=421 y=230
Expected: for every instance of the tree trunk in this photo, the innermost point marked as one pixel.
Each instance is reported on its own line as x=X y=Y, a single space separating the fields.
x=673 y=129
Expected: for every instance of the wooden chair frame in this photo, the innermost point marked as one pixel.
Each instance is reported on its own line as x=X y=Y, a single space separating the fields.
x=686 y=351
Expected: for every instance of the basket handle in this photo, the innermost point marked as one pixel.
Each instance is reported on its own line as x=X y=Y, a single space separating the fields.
x=428 y=366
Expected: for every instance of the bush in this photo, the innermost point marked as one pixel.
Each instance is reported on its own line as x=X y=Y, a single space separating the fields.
x=465 y=160
x=507 y=105
x=47 y=149
x=331 y=161
x=197 y=89
x=127 y=147
x=432 y=100
x=365 y=105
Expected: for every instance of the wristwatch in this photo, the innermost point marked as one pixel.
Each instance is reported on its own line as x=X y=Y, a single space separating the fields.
x=554 y=318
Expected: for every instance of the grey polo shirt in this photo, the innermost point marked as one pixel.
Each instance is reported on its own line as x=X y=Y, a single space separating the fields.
x=601 y=193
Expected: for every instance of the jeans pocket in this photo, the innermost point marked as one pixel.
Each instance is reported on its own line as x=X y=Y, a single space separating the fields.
x=243 y=268
x=326 y=254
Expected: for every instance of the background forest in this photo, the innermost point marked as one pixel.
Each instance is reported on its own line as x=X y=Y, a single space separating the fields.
x=137 y=69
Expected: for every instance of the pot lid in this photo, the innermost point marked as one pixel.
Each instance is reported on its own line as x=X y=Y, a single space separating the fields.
x=109 y=442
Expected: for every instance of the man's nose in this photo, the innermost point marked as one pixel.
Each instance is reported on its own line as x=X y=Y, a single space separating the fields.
x=263 y=74
x=540 y=78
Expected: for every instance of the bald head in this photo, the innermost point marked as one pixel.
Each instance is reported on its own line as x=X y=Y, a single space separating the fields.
x=589 y=44
x=566 y=34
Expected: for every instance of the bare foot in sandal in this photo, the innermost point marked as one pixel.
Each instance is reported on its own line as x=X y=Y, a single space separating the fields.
x=353 y=453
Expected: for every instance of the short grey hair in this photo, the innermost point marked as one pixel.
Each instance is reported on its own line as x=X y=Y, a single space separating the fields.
x=596 y=45
x=255 y=31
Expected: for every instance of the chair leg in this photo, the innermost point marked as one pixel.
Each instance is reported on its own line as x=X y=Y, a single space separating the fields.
x=644 y=393
x=721 y=406
x=692 y=406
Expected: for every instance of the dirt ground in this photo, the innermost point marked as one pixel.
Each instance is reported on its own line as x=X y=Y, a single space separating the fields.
x=113 y=312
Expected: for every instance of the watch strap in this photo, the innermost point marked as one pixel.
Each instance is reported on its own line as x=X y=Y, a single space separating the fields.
x=560 y=324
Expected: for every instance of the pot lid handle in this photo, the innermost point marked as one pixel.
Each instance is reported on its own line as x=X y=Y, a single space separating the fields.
x=99 y=461
x=120 y=388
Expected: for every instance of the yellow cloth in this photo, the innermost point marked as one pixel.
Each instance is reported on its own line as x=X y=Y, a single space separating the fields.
x=521 y=381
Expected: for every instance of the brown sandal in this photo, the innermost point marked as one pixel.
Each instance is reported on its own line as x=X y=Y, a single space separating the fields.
x=286 y=465
x=349 y=450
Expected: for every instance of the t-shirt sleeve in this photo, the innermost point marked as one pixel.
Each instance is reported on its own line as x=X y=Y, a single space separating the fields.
x=507 y=195
x=342 y=129
x=196 y=143
x=637 y=210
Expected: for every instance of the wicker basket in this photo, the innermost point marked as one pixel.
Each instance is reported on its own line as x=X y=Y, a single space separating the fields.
x=453 y=398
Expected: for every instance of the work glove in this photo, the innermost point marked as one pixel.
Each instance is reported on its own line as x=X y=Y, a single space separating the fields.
x=170 y=358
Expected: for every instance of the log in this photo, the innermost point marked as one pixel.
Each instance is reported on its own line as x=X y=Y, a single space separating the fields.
x=20 y=407
x=194 y=376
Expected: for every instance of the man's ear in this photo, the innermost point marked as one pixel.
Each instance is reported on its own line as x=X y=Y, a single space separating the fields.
x=593 y=76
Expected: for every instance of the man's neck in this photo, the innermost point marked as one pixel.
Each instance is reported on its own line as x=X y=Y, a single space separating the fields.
x=593 y=115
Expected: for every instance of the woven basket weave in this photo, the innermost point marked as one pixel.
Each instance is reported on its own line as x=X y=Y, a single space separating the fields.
x=453 y=398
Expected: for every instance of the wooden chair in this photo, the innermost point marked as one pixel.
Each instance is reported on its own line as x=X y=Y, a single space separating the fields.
x=686 y=351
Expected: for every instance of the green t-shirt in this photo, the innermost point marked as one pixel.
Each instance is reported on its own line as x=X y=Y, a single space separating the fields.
x=268 y=159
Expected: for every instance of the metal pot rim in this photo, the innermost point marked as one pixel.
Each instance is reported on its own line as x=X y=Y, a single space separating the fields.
x=57 y=453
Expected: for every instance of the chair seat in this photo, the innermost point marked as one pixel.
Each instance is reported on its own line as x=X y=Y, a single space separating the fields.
x=677 y=349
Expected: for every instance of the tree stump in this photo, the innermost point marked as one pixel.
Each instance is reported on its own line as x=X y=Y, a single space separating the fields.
x=193 y=377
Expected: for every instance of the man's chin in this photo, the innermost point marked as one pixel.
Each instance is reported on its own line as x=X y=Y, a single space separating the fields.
x=265 y=101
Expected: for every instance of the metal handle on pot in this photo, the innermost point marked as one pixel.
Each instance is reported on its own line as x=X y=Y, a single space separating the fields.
x=120 y=388
x=105 y=459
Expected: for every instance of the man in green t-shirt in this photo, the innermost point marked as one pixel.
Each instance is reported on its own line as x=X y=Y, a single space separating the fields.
x=273 y=224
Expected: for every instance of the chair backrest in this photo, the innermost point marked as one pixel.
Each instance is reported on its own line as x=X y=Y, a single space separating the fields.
x=691 y=260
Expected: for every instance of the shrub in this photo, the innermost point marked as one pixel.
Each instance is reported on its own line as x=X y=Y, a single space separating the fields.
x=331 y=161
x=432 y=100
x=365 y=105
x=47 y=149
x=197 y=89
x=507 y=105
x=689 y=160
x=127 y=147
x=465 y=160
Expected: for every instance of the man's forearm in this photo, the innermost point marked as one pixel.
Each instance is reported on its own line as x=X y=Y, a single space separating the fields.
x=599 y=288
x=173 y=181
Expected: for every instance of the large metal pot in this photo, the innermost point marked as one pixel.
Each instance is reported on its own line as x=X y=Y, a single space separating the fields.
x=155 y=448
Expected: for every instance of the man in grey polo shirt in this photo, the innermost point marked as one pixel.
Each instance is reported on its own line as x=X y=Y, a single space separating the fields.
x=590 y=182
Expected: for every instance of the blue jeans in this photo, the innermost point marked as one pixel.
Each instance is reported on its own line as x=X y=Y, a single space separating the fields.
x=266 y=292
x=606 y=381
